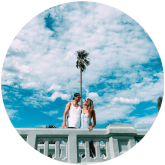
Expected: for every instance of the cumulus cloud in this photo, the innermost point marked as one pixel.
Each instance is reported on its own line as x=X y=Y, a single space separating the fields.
x=55 y=95
x=122 y=100
x=29 y=85
x=93 y=96
x=37 y=43
x=54 y=87
x=69 y=54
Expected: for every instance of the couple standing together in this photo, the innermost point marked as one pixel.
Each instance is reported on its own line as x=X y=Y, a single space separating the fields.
x=79 y=117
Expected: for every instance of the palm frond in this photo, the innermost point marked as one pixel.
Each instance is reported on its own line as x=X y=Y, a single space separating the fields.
x=79 y=54
x=77 y=64
x=82 y=54
x=83 y=68
x=86 y=62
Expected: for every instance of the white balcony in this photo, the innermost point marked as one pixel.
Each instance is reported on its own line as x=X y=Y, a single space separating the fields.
x=68 y=144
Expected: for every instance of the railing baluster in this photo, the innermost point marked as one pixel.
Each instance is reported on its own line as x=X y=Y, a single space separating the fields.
x=66 y=149
x=108 y=154
x=97 y=147
x=87 y=152
x=46 y=148
x=131 y=143
x=57 y=150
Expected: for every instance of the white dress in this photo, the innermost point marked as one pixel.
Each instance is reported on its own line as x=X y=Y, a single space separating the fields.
x=85 y=120
x=74 y=116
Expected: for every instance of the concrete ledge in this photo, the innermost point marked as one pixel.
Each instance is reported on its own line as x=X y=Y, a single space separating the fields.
x=118 y=138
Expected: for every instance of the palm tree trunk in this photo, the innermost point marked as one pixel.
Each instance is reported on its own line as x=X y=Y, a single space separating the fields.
x=81 y=85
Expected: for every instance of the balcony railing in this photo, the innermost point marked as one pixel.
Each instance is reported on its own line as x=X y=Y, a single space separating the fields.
x=68 y=145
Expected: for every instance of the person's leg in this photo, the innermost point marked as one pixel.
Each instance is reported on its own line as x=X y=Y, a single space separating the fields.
x=92 y=149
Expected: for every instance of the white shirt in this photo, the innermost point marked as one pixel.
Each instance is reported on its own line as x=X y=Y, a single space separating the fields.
x=75 y=116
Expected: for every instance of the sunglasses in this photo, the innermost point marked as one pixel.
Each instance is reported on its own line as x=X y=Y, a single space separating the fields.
x=79 y=97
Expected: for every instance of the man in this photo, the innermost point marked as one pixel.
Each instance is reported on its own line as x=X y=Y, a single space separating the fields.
x=74 y=113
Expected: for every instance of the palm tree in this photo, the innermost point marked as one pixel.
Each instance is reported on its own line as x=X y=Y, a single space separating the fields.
x=159 y=102
x=81 y=63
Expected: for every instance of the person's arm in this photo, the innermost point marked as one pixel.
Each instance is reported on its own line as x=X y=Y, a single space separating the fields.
x=94 y=119
x=64 y=115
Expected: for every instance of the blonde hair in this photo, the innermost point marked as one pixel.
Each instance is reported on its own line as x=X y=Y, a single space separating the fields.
x=90 y=107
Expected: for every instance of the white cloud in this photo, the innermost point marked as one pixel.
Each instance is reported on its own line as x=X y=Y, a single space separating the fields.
x=93 y=96
x=37 y=100
x=11 y=113
x=30 y=85
x=7 y=82
x=55 y=95
x=108 y=112
x=19 y=46
x=60 y=118
x=54 y=87
x=122 y=100
x=153 y=107
x=46 y=62
x=50 y=113
x=69 y=54
x=24 y=68
x=144 y=122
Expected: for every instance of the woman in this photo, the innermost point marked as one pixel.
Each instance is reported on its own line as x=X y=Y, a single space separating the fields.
x=86 y=114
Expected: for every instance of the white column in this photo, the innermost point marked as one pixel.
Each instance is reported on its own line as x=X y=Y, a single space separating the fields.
x=114 y=147
x=87 y=152
x=108 y=154
x=97 y=148
x=57 y=150
x=66 y=149
x=46 y=148
x=72 y=149
x=131 y=143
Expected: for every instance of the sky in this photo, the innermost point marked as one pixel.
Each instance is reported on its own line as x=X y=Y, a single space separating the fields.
x=39 y=75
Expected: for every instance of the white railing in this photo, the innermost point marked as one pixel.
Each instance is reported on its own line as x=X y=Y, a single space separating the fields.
x=69 y=145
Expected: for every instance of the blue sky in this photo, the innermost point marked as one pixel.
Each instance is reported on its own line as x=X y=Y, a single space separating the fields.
x=39 y=74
